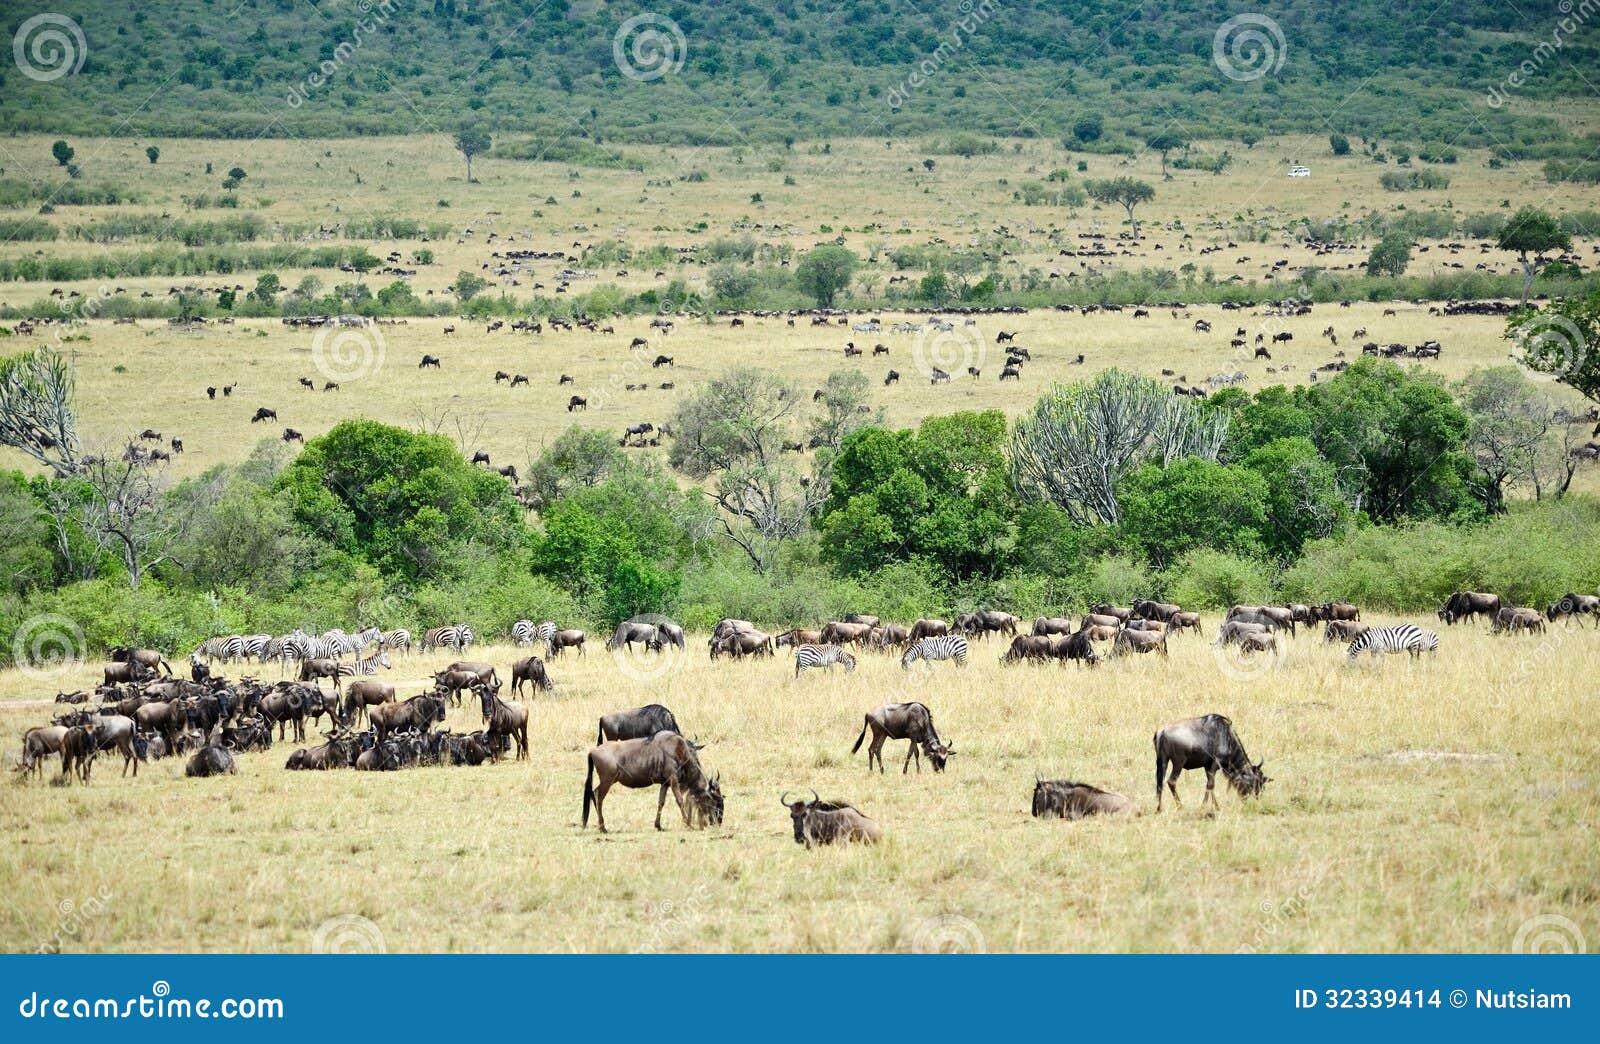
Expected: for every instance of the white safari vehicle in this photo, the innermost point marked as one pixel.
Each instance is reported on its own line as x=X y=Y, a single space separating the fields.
x=1299 y=172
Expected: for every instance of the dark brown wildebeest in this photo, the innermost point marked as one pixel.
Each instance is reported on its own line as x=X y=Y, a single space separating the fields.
x=210 y=761
x=1052 y=625
x=797 y=637
x=1028 y=647
x=992 y=621
x=1063 y=799
x=448 y=684
x=666 y=760
x=1338 y=611
x=741 y=644
x=818 y=822
x=167 y=717
x=929 y=629
x=577 y=402
x=263 y=413
x=660 y=361
x=504 y=719
x=40 y=743
x=419 y=712
x=150 y=659
x=480 y=457
x=312 y=670
x=1138 y=641
x=1103 y=609
x=484 y=671
x=567 y=638
x=1462 y=604
x=1343 y=631
x=1075 y=646
x=117 y=730
x=889 y=636
x=1184 y=621
x=639 y=723
x=290 y=435
x=1575 y=605
x=1301 y=613
x=891 y=377
x=1511 y=619
x=530 y=669
x=428 y=361
x=907 y=721
x=1206 y=743
x=79 y=745
x=340 y=751
x=1151 y=610
x=365 y=693
x=838 y=632
x=118 y=673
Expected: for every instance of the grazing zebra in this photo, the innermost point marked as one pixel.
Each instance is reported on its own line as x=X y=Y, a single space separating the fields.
x=809 y=656
x=948 y=647
x=547 y=634
x=1404 y=638
x=523 y=632
x=226 y=648
x=398 y=639
x=256 y=645
x=298 y=646
x=454 y=636
x=336 y=643
x=368 y=666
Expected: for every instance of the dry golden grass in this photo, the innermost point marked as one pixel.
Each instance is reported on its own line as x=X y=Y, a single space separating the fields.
x=1433 y=806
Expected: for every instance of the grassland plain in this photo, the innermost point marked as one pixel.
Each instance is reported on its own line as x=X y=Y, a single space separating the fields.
x=1430 y=806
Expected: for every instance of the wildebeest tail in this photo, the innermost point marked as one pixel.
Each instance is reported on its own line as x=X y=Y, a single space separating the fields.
x=588 y=792
x=864 y=723
x=600 y=734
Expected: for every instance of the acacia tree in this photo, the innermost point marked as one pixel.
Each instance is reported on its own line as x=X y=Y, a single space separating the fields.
x=116 y=503
x=731 y=434
x=470 y=142
x=1531 y=233
x=1080 y=439
x=1126 y=192
x=36 y=410
x=1165 y=142
x=1563 y=340
x=846 y=405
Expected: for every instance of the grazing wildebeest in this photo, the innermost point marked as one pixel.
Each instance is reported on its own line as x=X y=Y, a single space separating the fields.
x=427 y=361
x=290 y=435
x=263 y=413
x=839 y=632
x=1063 y=799
x=1076 y=646
x=888 y=636
x=1150 y=610
x=797 y=637
x=1139 y=623
x=907 y=721
x=660 y=361
x=1259 y=642
x=39 y=743
x=150 y=659
x=363 y=694
x=1342 y=630
x=419 y=712
x=1234 y=631
x=530 y=669
x=1206 y=743
x=628 y=632
x=567 y=638
x=1277 y=617
x=1575 y=605
x=1463 y=604
x=862 y=618
x=1139 y=642
x=740 y=644
x=577 y=402
x=504 y=719
x=666 y=760
x=929 y=629
x=1512 y=618
x=818 y=822
x=639 y=723
x=1052 y=625
x=210 y=761
x=1028 y=647
x=1099 y=620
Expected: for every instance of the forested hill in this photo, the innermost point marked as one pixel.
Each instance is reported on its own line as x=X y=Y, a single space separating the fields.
x=727 y=71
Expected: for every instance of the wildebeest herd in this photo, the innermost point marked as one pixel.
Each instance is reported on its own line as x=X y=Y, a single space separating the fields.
x=143 y=712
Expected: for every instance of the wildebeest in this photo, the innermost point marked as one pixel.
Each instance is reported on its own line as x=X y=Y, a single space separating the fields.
x=1052 y=625
x=312 y=670
x=1233 y=631
x=1511 y=619
x=1337 y=611
x=1093 y=619
x=1076 y=646
x=150 y=659
x=1342 y=630
x=263 y=413
x=629 y=632
x=1028 y=647
x=741 y=644
x=530 y=669
x=419 y=712
x=818 y=822
x=118 y=673
x=1139 y=641
x=929 y=629
x=1184 y=621
x=427 y=361
x=1208 y=743
x=79 y=745
x=577 y=402
x=210 y=761
x=1064 y=799
x=504 y=719
x=796 y=636
x=666 y=760
x=907 y=721
x=639 y=723
x=1279 y=618
x=1104 y=609
x=567 y=638
x=1575 y=605
x=1152 y=610
x=1463 y=604
x=39 y=743
x=340 y=751
x=840 y=632
x=363 y=694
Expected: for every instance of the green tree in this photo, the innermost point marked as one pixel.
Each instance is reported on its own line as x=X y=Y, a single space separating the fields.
x=1563 y=340
x=468 y=285
x=1531 y=233
x=1339 y=143
x=1088 y=128
x=1391 y=256
x=1164 y=142
x=62 y=152
x=824 y=272
x=1192 y=503
x=732 y=283
x=470 y=142
x=1126 y=192
x=579 y=457
x=153 y=152
x=1303 y=499
x=268 y=287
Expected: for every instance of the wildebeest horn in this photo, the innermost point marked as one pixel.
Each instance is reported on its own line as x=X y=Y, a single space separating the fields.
x=815 y=798
x=784 y=800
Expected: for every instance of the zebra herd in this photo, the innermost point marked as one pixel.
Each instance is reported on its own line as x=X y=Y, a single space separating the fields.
x=298 y=647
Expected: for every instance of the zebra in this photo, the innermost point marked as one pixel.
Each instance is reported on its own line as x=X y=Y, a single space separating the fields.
x=226 y=648
x=809 y=656
x=1404 y=638
x=523 y=632
x=368 y=666
x=336 y=643
x=298 y=646
x=398 y=639
x=948 y=647
x=256 y=645
x=454 y=636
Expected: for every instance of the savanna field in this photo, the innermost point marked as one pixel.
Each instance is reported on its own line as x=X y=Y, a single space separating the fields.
x=1430 y=806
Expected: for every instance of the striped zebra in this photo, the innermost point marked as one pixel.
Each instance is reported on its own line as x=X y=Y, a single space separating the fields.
x=368 y=666
x=256 y=645
x=226 y=648
x=1404 y=638
x=298 y=645
x=809 y=656
x=523 y=632
x=453 y=636
x=398 y=639
x=948 y=647
x=336 y=643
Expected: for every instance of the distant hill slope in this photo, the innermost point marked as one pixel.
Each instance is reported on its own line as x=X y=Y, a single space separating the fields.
x=763 y=71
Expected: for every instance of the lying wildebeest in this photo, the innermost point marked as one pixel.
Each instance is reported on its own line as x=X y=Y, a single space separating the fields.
x=419 y=712
x=1463 y=604
x=1152 y=610
x=340 y=751
x=639 y=723
x=530 y=669
x=1206 y=743
x=907 y=721
x=504 y=719
x=1575 y=605
x=210 y=761
x=151 y=659
x=1029 y=647
x=1052 y=625
x=1512 y=618
x=1063 y=799
x=365 y=693
x=666 y=760
x=818 y=822
x=1343 y=630
x=1138 y=641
